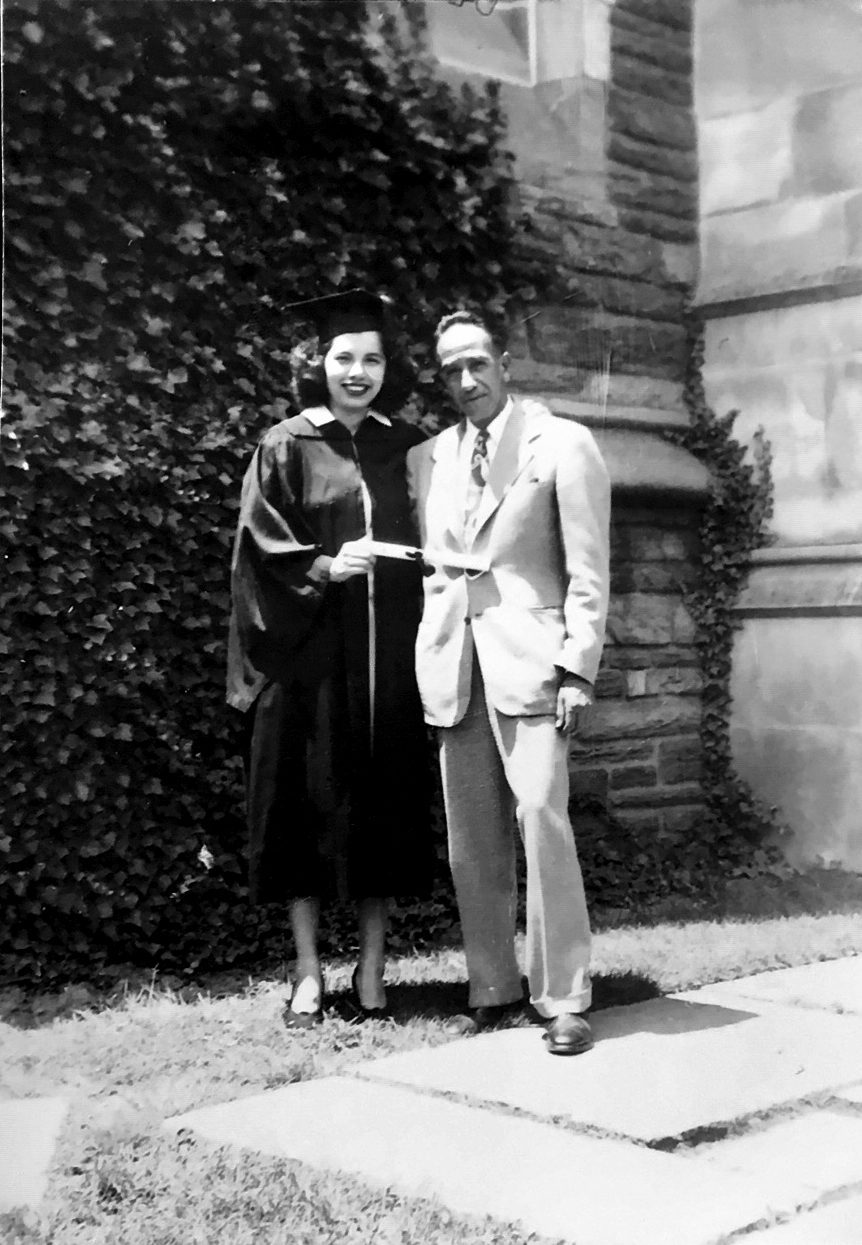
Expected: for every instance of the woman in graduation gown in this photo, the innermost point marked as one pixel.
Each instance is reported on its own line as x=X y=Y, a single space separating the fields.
x=322 y=651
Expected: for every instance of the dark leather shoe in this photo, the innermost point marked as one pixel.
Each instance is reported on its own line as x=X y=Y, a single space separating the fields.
x=301 y=1020
x=568 y=1034
x=484 y=1019
x=363 y=1012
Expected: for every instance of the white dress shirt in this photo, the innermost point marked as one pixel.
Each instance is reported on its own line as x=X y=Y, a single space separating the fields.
x=468 y=440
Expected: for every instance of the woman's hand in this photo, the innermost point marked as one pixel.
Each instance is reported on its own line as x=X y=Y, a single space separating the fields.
x=353 y=558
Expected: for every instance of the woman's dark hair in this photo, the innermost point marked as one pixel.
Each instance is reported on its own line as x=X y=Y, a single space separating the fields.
x=308 y=378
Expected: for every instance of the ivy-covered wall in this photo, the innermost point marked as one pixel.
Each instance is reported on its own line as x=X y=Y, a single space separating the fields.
x=179 y=175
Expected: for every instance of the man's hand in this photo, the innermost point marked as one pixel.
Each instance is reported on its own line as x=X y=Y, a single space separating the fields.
x=573 y=704
x=353 y=558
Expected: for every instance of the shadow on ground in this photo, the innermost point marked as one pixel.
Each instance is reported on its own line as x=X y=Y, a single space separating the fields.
x=442 y=1000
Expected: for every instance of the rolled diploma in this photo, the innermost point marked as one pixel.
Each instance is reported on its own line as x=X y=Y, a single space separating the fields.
x=436 y=557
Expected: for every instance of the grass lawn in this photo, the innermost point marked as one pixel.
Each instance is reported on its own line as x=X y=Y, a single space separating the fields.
x=145 y=1051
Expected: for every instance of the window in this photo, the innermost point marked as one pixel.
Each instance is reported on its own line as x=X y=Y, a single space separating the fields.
x=523 y=42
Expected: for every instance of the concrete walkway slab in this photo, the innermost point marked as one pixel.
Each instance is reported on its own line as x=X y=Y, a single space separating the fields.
x=834 y=985
x=659 y=1069
x=29 y=1128
x=794 y=1161
x=838 y=1224
x=479 y=1162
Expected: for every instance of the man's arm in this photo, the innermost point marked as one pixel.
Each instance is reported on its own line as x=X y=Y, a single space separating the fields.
x=583 y=502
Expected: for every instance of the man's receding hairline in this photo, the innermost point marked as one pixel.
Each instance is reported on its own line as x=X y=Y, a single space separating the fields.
x=464 y=324
x=470 y=319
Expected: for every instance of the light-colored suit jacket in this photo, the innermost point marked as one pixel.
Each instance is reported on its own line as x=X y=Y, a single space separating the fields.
x=543 y=531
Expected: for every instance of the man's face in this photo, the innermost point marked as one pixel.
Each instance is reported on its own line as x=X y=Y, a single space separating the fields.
x=473 y=372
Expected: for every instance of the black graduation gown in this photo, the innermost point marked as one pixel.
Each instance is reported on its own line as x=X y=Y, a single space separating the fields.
x=335 y=809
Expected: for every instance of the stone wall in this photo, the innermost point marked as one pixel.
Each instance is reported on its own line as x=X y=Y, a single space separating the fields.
x=779 y=106
x=640 y=755
x=614 y=218
x=607 y=182
x=779 y=109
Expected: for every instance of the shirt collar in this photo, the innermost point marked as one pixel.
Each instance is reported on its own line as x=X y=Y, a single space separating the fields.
x=320 y=415
x=495 y=428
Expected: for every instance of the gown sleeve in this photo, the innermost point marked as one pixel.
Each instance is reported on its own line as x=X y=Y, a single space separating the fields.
x=279 y=572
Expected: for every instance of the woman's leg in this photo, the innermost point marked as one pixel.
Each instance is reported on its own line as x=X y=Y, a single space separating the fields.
x=308 y=987
x=373 y=923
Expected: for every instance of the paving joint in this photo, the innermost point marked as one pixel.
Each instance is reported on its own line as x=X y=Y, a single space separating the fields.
x=748 y=1125
x=561 y=1122
x=834 y=1197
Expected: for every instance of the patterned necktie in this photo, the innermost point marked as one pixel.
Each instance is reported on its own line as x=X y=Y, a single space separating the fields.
x=478 y=476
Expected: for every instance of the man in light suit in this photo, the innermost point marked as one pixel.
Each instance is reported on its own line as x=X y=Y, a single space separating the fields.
x=507 y=654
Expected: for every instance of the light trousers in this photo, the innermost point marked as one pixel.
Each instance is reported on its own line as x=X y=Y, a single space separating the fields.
x=496 y=768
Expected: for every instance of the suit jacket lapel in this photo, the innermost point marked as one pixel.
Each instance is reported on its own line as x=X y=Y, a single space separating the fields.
x=511 y=457
x=446 y=484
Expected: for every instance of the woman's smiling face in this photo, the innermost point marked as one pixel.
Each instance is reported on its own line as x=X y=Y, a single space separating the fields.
x=355 y=366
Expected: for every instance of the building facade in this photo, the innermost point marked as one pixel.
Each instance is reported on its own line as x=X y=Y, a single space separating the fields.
x=779 y=110
x=598 y=99
x=670 y=149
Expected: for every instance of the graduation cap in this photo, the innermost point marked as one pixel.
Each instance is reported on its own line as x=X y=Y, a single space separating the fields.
x=354 y=311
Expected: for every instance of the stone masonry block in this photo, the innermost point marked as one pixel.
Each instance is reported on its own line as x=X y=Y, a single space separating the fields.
x=641 y=543
x=674 y=680
x=659 y=225
x=555 y=335
x=828 y=148
x=595 y=212
x=645 y=41
x=853 y=230
x=684 y=629
x=647 y=717
x=752 y=53
x=659 y=577
x=613 y=252
x=783 y=339
x=658 y=348
x=775 y=246
x=639 y=153
x=610 y=683
x=628 y=776
x=649 y=819
x=656 y=797
x=611 y=750
x=680 y=263
x=634 y=73
x=675 y=14
x=636 y=683
x=588 y=782
x=642 y=618
x=640 y=657
x=642 y=23
x=628 y=298
x=680 y=760
x=665 y=518
x=683 y=818
x=667 y=195
x=666 y=125
x=746 y=157
x=603 y=343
